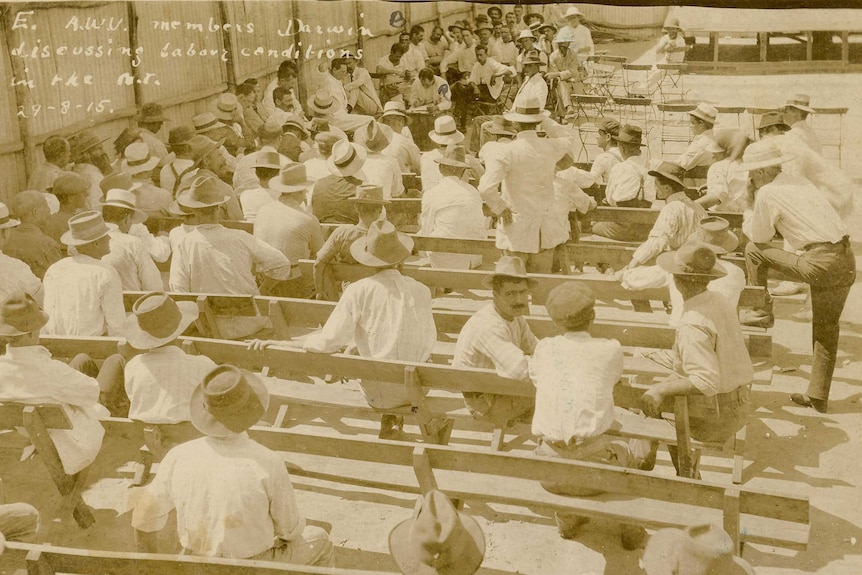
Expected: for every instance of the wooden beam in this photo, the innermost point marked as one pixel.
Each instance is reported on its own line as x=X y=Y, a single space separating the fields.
x=23 y=100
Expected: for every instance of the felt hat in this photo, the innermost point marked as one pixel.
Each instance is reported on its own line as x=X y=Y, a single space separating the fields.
x=630 y=135
x=127 y=137
x=84 y=142
x=137 y=159
x=84 y=228
x=322 y=102
x=483 y=24
x=534 y=16
x=526 y=34
x=669 y=171
x=453 y=156
x=437 y=540
x=20 y=315
x=705 y=112
x=152 y=113
x=225 y=107
x=457 y=24
x=527 y=109
x=126 y=199
x=206 y=122
x=800 y=102
x=570 y=302
x=180 y=136
x=177 y=210
x=203 y=193
x=696 y=550
x=375 y=137
x=291 y=179
x=294 y=121
x=500 y=126
x=369 y=194
x=497 y=10
x=532 y=57
x=671 y=22
x=271 y=129
x=715 y=232
x=694 y=259
x=268 y=159
x=202 y=146
x=228 y=401
x=157 y=320
x=509 y=267
x=608 y=125
x=762 y=154
x=395 y=108
x=6 y=222
x=69 y=184
x=346 y=159
x=773 y=119
x=383 y=245
x=572 y=12
x=445 y=131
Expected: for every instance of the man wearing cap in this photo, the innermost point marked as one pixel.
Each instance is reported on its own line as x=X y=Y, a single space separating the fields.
x=178 y=143
x=528 y=51
x=362 y=97
x=796 y=111
x=329 y=194
x=702 y=120
x=30 y=375
x=139 y=164
x=28 y=241
x=429 y=93
x=379 y=169
x=401 y=147
x=453 y=209
x=581 y=37
x=286 y=226
x=17 y=275
x=151 y=119
x=565 y=67
x=57 y=154
x=128 y=255
x=72 y=191
x=527 y=225
x=90 y=162
x=607 y=130
x=700 y=549
x=267 y=165
x=824 y=257
x=444 y=134
x=710 y=361
x=234 y=496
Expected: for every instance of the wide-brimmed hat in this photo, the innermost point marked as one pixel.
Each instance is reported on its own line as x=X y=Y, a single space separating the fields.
x=572 y=11
x=669 y=171
x=268 y=159
x=180 y=136
x=437 y=540
x=294 y=121
x=137 y=159
x=527 y=109
x=459 y=24
x=346 y=159
x=157 y=320
x=570 y=302
x=376 y=137
x=127 y=137
x=322 y=102
x=69 y=184
x=608 y=125
x=526 y=33
x=548 y=25
x=495 y=9
x=694 y=259
x=454 y=156
x=671 y=22
x=383 y=245
x=202 y=146
x=228 y=401
x=151 y=113
x=484 y=25
x=20 y=315
x=445 y=131
x=772 y=119
x=696 y=550
x=395 y=108
x=84 y=142
x=206 y=122
x=762 y=154
x=532 y=57
x=122 y=198
x=203 y=193
x=800 y=102
x=291 y=179
x=326 y=139
x=225 y=107
x=563 y=37
x=630 y=134
x=84 y=228
x=715 y=232
x=706 y=112
x=509 y=267
x=177 y=210
x=532 y=16
x=6 y=222
x=369 y=194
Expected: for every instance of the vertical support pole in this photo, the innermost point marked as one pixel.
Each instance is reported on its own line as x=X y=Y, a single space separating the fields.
x=358 y=14
x=227 y=35
x=713 y=42
x=423 y=470
x=845 y=47
x=132 y=15
x=295 y=7
x=809 y=46
x=23 y=99
x=683 y=437
x=763 y=42
x=730 y=506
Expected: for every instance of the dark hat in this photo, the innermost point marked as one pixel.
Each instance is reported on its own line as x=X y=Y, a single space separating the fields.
x=118 y=180
x=157 y=320
x=151 y=112
x=382 y=246
x=694 y=259
x=772 y=119
x=509 y=267
x=630 y=135
x=376 y=137
x=534 y=16
x=570 y=303
x=497 y=10
x=715 y=232
x=454 y=156
x=84 y=142
x=228 y=401
x=20 y=315
x=669 y=171
x=180 y=136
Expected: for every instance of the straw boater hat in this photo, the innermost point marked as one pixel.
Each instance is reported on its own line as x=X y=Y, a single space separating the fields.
x=695 y=550
x=225 y=107
x=84 y=228
x=705 y=112
x=669 y=171
x=509 y=267
x=5 y=221
x=800 y=102
x=762 y=154
x=157 y=320
x=152 y=113
x=20 y=315
x=369 y=194
x=445 y=131
x=395 y=108
x=630 y=135
x=292 y=179
x=206 y=122
x=228 y=401
x=382 y=246
x=346 y=159
x=453 y=156
x=137 y=159
x=695 y=259
x=570 y=303
x=322 y=102
x=203 y=193
x=376 y=137
x=773 y=119
x=527 y=109
x=122 y=198
x=437 y=540
x=671 y=22
x=69 y=184
x=715 y=232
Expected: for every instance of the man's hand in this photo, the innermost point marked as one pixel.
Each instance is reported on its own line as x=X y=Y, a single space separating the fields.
x=506 y=216
x=432 y=108
x=651 y=402
x=262 y=344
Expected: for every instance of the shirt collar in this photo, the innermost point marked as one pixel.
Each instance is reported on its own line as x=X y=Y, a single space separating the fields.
x=27 y=352
x=675 y=197
x=579 y=335
x=533 y=134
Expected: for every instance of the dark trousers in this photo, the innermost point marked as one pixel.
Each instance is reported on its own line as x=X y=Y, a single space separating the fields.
x=830 y=270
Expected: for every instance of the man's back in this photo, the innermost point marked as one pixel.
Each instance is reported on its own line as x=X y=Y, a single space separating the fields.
x=83 y=297
x=328 y=200
x=291 y=231
x=134 y=265
x=31 y=245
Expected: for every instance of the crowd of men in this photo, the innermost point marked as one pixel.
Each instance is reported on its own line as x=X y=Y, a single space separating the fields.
x=75 y=240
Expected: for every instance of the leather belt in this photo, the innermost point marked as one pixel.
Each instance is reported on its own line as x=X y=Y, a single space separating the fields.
x=842 y=243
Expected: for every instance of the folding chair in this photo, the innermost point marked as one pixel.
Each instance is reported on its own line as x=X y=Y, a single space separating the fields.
x=675 y=128
x=636 y=80
x=588 y=109
x=828 y=124
x=729 y=116
x=639 y=112
x=605 y=75
x=671 y=86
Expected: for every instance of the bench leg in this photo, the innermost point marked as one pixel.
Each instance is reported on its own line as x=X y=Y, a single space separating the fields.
x=437 y=431
x=144 y=467
x=74 y=505
x=498 y=440
x=738 y=456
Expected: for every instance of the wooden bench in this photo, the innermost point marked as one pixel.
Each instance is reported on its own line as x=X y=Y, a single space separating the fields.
x=38 y=420
x=647 y=216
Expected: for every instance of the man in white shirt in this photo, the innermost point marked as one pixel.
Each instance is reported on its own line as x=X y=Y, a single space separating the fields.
x=527 y=50
x=158 y=246
x=287 y=78
x=171 y=173
x=796 y=112
x=234 y=498
x=330 y=102
x=533 y=84
x=150 y=121
x=486 y=77
x=702 y=120
x=582 y=39
x=267 y=165
x=435 y=47
x=397 y=80
x=505 y=51
x=416 y=57
x=128 y=255
x=17 y=275
x=379 y=169
x=139 y=164
x=429 y=93
x=362 y=97
x=401 y=148
x=445 y=133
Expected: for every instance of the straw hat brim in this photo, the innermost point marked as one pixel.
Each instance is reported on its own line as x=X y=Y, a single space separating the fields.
x=145 y=167
x=802 y=107
x=177 y=209
x=10 y=224
x=138 y=217
x=667 y=262
x=68 y=240
x=698 y=114
x=322 y=111
x=359 y=253
x=488 y=281
x=455 y=138
x=517 y=117
x=748 y=166
x=408 y=561
x=671 y=177
x=218 y=124
x=227 y=425
x=140 y=339
x=351 y=168
x=397 y=113
x=727 y=244
x=223 y=116
x=277 y=186
x=451 y=162
x=7 y=330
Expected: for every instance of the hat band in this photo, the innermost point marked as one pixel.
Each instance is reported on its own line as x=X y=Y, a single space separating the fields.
x=207 y=125
x=346 y=161
x=449 y=133
x=124 y=203
x=321 y=106
x=527 y=111
x=229 y=401
x=4 y=220
x=797 y=103
x=160 y=322
x=139 y=162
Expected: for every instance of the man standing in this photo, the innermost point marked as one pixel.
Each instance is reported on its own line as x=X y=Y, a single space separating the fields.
x=823 y=259
x=498 y=337
x=796 y=111
x=28 y=241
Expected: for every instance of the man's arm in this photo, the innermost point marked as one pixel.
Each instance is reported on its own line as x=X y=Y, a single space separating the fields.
x=758 y=224
x=509 y=359
x=112 y=304
x=339 y=328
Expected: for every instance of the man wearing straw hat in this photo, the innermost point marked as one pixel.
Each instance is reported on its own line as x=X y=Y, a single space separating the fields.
x=329 y=194
x=267 y=165
x=210 y=162
x=158 y=246
x=796 y=112
x=244 y=174
x=139 y=164
x=128 y=255
x=702 y=120
x=582 y=39
x=17 y=275
x=206 y=124
x=171 y=172
x=701 y=549
x=671 y=47
x=379 y=169
x=565 y=67
x=234 y=496
x=336 y=110
x=444 y=134
x=823 y=256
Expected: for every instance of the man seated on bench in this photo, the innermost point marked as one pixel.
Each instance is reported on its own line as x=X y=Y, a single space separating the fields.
x=498 y=337
x=233 y=496
x=31 y=376
x=575 y=375
x=710 y=360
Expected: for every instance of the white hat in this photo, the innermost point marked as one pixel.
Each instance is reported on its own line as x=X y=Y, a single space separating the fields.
x=705 y=112
x=800 y=102
x=526 y=34
x=445 y=131
x=346 y=159
x=137 y=159
x=572 y=11
x=120 y=198
x=527 y=109
x=762 y=154
x=5 y=221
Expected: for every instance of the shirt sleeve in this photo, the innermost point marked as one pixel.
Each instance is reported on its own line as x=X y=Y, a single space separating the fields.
x=624 y=184
x=716 y=181
x=269 y=260
x=148 y=273
x=698 y=359
x=759 y=224
x=695 y=154
x=509 y=359
x=496 y=168
x=70 y=386
x=154 y=503
x=178 y=279
x=659 y=237
x=112 y=304
x=286 y=517
x=339 y=328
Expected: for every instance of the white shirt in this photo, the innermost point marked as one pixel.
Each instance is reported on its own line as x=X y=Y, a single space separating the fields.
x=452 y=209
x=490 y=73
x=421 y=97
x=430 y=170
x=404 y=151
x=575 y=375
x=730 y=286
x=387 y=316
x=178 y=233
x=626 y=180
x=254 y=199
x=696 y=155
x=663 y=52
x=167 y=178
x=728 y=183
x=415 y=57
x=526 y=168
x=600 y=170
x=160 y=383
x=505 y=52
x=382 y=171
x=233 y=498
x=94 y=177
x=244 y=176
x=83 y=296
x=159 y=247
x=290 y=230
x=807 y=134
x=133 y=264
x=534 y=86
x=677 y=220
x=268 y=105
x=489 y=341
x=17 y=276
x=31 y=376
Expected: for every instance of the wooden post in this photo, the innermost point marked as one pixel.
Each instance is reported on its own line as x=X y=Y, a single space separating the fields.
x=845 y=47
x=731 y=518
x=763 y=41
x=132 y=14
x=713 y=42
x=358 y=15
x=228 y=45
x=809 y=46
x=23 y=98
